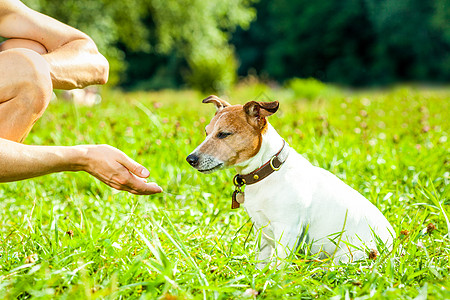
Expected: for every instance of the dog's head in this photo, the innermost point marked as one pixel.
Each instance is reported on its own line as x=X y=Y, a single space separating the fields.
x=233 y=136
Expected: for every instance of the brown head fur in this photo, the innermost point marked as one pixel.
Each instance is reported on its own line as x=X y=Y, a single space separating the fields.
x=235 y=133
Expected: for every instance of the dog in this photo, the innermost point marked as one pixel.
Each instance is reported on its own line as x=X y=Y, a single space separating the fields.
x=289 y=200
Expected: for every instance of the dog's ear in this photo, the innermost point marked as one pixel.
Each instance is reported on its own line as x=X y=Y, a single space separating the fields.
x=219 y=103
x=258 y=111
x=261 y=109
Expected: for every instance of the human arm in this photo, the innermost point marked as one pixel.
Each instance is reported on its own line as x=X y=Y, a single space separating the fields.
x=22 y=43
x=106 y=163
x=73 y=57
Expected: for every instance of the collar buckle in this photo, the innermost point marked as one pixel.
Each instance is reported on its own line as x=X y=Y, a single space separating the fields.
x=238 y=181
x=271 y=163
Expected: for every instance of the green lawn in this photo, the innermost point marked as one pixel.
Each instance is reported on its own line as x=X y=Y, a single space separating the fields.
x=392 y=146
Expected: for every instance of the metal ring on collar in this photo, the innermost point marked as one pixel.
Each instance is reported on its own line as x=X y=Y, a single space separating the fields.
x=236 y=183
x=271 y=164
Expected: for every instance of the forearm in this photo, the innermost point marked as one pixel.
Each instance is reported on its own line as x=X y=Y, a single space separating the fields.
x=23 y=43
x=18 y=161
x=106 y=163
x=77 y=64
x=74 y=65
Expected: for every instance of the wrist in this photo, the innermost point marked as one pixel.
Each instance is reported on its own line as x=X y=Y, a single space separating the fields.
x=78 y=158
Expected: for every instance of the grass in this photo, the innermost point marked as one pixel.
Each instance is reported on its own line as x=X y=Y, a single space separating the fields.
x=68 y=236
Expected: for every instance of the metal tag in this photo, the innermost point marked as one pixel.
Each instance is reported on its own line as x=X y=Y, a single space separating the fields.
x=234 y=203
x=240 y=197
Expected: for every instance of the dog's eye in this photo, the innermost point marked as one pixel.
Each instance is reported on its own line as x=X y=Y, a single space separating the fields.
x=222 y=135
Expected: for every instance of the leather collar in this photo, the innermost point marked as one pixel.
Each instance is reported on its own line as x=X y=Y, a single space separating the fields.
x=274 y=164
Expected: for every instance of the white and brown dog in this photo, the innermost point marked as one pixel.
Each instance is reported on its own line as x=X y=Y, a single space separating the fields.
x=287 y=198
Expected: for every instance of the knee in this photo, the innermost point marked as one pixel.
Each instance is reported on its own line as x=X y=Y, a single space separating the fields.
x=33 y=81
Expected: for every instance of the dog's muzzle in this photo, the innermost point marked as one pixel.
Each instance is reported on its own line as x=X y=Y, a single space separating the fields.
x=204 y=163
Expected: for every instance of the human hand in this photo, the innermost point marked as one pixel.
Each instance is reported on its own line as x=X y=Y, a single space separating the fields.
x=117 y=170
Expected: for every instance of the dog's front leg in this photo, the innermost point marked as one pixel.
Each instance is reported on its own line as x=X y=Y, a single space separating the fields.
x=265 y=253
x=286 y=238
x=265 y=247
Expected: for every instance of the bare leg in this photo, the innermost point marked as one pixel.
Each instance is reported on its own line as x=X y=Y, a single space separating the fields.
x=25 y=91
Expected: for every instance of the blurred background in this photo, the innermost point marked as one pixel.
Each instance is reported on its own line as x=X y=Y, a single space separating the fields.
x=210 y=45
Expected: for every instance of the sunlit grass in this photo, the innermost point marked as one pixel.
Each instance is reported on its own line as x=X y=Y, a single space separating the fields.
x=68 y=235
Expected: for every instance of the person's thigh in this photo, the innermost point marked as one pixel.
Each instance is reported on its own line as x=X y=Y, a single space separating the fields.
x=25 y=90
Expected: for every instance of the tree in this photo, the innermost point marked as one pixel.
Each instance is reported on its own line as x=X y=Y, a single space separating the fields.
x=194 y=34
x=329 y=40
x=197 y=31
x=353 y=42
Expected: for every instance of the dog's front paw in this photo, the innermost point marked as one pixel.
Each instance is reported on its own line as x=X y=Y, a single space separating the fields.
x=261 y=265
x=273 y=264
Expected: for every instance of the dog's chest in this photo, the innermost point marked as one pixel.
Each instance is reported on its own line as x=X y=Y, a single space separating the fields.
x=279 y=198
x=258 y=217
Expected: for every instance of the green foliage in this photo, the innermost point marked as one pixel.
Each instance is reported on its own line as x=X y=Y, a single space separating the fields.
x=156 y=44
x=197 y=25
x=196 y=31
x=352 y=42
x=211 y=72
x=199 y=34
x=309 y=89
x=441 y=17
x=392 y=146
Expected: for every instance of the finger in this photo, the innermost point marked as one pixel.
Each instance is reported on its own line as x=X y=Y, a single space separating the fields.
x=137 y=186
x=134 y=167
x=147 y=189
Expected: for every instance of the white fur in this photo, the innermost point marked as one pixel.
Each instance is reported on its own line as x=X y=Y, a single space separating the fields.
x=301 y=197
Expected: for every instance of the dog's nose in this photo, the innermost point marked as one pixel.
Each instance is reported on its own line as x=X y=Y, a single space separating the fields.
x=192 y=159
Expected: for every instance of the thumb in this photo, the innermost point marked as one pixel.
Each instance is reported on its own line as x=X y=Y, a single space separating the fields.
x=134 y=167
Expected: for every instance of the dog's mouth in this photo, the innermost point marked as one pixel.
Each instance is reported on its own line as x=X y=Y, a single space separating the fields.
x=215 y=168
